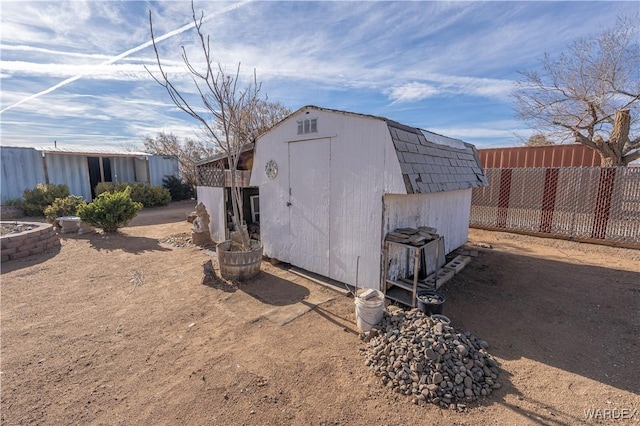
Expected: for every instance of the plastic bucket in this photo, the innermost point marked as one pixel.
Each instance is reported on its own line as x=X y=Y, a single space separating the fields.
x=430 y=302
x=369 y=310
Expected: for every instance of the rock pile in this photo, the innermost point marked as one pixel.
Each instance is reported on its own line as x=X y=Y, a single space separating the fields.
x=428 y=359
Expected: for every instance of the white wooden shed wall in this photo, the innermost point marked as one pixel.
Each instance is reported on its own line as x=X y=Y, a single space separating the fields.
x=337 y=179
x=448 y=212
x=213 y=200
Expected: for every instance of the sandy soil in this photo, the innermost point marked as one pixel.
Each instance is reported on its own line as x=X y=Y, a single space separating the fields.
x=120 y=330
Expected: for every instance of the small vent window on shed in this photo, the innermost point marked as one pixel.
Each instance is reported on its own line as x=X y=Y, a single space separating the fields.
x=309 y=125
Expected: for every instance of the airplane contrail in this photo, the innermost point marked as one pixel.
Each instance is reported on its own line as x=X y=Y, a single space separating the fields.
x=127 y=53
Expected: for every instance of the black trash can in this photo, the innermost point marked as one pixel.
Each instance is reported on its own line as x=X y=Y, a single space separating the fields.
x=430 y=302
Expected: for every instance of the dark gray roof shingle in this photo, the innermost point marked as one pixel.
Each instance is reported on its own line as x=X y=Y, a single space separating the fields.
x=432 y=163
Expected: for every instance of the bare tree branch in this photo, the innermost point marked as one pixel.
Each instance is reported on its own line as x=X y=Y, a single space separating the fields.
x=581 y=93
x=232 y=114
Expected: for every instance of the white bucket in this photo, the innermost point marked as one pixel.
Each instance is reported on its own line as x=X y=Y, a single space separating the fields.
x=369 y=311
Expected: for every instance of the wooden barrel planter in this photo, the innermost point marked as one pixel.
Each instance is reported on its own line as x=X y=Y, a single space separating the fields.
x=239 y=265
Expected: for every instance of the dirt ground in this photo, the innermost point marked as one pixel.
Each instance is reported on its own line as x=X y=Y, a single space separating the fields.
x=120 y=330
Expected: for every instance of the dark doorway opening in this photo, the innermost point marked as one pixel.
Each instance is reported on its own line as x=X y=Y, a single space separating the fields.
x=94 y=173
x=106 y=166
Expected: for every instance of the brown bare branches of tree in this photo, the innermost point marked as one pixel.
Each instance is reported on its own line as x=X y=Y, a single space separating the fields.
x=590 y=94
x=230 y=113
x=538 y=139
x=188 y=152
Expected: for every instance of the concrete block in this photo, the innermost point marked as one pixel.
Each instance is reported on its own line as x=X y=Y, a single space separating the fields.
x=36 y=250
x=8 y=251
x=458 y=263
x=18 y=255
x=444 y=275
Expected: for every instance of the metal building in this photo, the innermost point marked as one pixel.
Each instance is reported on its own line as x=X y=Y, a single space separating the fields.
x=80 y=169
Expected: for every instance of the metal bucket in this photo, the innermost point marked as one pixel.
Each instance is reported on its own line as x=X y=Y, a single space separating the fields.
x=239 y=265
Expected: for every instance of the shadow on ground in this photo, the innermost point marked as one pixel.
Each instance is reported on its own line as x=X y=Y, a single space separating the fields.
x=14 y=265
x=118 y=241
x=578 y=318
x=273 y=290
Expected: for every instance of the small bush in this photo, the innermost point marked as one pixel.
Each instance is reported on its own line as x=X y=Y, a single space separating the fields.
x=37 y=199
x=110 y=210
x=147 y=195
x=179 y=190
x=13 y=202
x=66 y=206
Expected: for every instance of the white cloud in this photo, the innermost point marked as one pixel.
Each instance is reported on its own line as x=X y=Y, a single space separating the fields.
x=412 y=91
x=402 y=55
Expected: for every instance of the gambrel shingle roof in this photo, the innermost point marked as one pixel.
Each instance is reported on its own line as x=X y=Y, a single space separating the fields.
x=432 y=163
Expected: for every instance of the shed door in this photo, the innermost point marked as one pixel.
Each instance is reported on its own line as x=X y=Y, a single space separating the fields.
x=309 y=209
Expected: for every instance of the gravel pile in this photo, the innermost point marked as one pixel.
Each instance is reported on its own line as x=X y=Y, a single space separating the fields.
x=178 y=240
x=428 y=359
x=14 y=228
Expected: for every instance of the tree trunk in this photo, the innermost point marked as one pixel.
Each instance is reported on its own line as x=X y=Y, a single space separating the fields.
x=610 y=161
x=612 y=152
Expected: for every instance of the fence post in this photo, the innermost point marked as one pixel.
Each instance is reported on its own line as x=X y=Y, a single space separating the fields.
x=603 y=202
x=549 y=199
x=503 y=198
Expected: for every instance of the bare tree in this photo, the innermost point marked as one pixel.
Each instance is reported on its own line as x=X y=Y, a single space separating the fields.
x=130 y=146
x=228 y=114
x=590 y=94
x=538 y=139
x=188 y=152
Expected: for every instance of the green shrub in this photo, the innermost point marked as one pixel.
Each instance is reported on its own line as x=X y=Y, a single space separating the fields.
x=179 y=190
x=110 y=210
x=66 y=206
x=147 y=195
x=13 y=202
x=37 y=199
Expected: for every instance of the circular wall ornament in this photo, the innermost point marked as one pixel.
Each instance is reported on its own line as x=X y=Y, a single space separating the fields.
x=271 y=169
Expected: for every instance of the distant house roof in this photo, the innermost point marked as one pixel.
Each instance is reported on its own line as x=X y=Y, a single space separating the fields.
x=92 y=151
x=431 y=162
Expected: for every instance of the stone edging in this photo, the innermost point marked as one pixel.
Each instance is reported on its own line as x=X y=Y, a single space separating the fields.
x=34 y=241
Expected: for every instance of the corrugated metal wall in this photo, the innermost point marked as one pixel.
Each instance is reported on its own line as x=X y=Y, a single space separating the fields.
x=123 y=169
x=573 y=155
x=21 y=169
x=161 y=166
x=72 y=170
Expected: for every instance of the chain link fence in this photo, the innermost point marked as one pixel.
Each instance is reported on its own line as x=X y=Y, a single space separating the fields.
x=582 y=203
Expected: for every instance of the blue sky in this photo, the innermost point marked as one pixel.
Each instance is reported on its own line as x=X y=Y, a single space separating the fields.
x=448 y=67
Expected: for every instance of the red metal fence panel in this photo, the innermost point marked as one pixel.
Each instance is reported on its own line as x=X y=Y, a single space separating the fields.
x=573 y=155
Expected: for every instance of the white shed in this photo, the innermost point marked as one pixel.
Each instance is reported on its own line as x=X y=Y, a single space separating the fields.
x=333 y=183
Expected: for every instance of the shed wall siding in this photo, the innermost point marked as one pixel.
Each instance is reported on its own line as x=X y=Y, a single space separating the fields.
x=21 y=169
x=448 y=212
x=72 y=170
x=213 y=200
x=362 y=166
